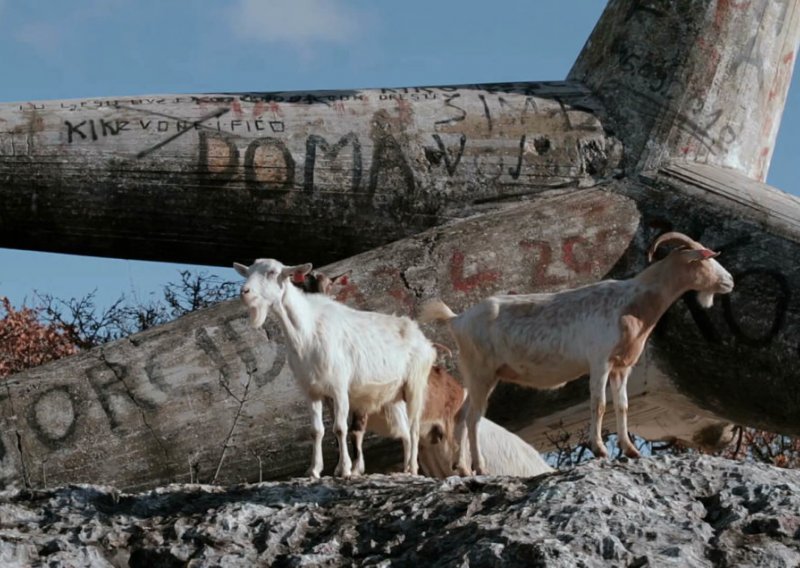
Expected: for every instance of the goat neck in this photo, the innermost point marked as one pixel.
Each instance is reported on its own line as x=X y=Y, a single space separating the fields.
x=295 y=316
x=664 y=281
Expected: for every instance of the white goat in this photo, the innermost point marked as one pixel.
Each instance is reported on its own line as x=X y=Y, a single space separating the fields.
x=546 y=340
x=370 y=361
x=507 y=453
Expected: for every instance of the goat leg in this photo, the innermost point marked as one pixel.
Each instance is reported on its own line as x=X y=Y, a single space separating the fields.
x=358 y=426
x=619 y=393
x=317 y=430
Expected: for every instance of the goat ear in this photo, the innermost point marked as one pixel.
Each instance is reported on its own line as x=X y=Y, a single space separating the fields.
x=240 y=268
x=696 y=255
x=298 y=272
x=343 y=277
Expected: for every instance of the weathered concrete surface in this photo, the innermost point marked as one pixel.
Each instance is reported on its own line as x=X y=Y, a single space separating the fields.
x=319 y=175
x=737 y=362
x=165 y=404
x=704 y=81
x=691 y=511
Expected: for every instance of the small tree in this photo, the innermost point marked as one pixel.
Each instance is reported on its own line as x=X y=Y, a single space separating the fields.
x=27 y=342
x=56 y=328
x=765 y=447
x=89 y=326
x=196 y=291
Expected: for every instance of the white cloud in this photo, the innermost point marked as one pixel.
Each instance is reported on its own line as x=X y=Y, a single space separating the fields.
x=294 y=21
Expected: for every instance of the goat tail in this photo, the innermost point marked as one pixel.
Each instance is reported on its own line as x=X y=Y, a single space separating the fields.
x=435 y=310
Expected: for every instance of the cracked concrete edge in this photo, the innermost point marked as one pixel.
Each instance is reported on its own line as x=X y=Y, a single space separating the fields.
x=119 y=377
x=18 y=444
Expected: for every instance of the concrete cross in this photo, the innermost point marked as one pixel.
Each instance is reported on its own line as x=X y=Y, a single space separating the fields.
x=667 y=121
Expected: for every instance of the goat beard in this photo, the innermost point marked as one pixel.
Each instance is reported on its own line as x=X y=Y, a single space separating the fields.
x=705 y=299
x=258 y=315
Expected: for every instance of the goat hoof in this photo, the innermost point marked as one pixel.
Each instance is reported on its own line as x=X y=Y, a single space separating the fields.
x=600 y=452
x=480 y=470
x=342 y=471
x=313 y=474
x=632 y=453
x=462 y=471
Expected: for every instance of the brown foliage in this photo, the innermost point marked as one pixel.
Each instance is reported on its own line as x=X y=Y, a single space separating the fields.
x=26 y=342
x=749 y=444
x=765 y=447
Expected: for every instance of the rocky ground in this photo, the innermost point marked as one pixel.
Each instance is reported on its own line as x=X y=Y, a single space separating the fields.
x=688 y=511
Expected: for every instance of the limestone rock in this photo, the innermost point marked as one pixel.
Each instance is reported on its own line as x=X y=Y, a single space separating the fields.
x=688 y=511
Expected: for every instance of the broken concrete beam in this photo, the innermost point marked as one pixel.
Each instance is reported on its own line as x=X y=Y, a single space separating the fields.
x=303 y=175
x=704 y=81
x=326 y=174
x=208 y=398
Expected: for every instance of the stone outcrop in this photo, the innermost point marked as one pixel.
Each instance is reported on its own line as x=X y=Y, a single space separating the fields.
x=665 y=511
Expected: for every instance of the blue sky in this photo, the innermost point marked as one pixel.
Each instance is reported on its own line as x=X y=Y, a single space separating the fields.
x=51 y=49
